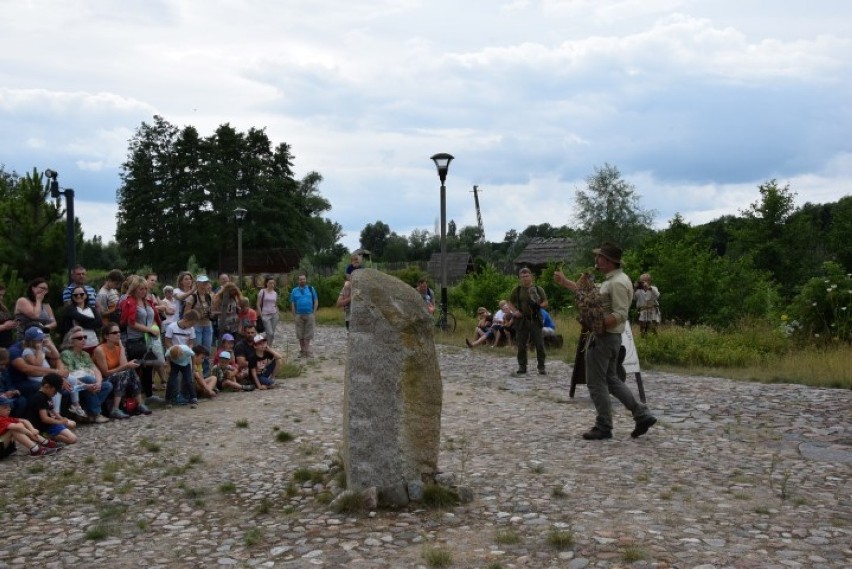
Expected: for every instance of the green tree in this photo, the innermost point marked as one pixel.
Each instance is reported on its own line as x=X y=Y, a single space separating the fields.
x=32 y=232
x=374 y=238
x=609 y=209
x=179 y=192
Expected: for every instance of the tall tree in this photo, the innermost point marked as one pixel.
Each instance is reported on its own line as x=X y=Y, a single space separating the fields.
x=179 y=193
x=609 y=209
x=32 y=227
x=374 y=238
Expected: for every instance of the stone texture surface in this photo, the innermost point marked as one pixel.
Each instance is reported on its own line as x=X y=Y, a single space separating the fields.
x=719 y=483
x=392 y=389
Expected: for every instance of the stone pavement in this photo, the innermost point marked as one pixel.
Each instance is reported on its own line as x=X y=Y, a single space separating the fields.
x=735 y=475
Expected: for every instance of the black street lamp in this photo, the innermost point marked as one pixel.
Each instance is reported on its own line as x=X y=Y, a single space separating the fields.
x=70 y=238
x=240 y=215
x=442 y=162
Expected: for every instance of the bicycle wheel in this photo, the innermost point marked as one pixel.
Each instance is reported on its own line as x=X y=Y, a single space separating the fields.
x=448 y=325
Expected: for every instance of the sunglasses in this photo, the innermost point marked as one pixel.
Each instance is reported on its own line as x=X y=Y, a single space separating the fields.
x=78 y=294
x=78 y=338
x=113 y=333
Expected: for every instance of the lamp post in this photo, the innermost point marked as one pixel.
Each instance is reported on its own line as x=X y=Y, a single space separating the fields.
x=442 y=162
x=240 y=215
x=70 y=238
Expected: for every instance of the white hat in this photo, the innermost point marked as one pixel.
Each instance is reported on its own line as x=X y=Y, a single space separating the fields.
x=259 y=338
x=224 y=355
x=202 y=279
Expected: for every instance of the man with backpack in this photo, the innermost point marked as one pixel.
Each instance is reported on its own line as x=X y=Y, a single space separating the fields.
x=304 y=303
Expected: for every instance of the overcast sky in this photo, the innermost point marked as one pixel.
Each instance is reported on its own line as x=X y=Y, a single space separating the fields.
x=696 y=102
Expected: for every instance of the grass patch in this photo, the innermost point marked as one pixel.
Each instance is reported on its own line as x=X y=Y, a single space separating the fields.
x=264 y=507
x=253 y=537
x=325 y=497
x=633 y=553
x=97 y=532
x=507 y=537
x=558 y=493
x=241 y=424
x=291 y=490
x=283 y=437
x=752 y=351
x=349 y=503
x=560 y=539
x=303 y=475
x=288 y=370
x=435 y=496
x=227 y=488
x=437 y=557
x=150 y=446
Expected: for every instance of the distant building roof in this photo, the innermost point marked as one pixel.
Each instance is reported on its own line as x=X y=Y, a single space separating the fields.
x=541 y=251
x=458 y=265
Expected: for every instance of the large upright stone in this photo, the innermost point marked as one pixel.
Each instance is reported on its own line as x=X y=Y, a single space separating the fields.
x=393 y=391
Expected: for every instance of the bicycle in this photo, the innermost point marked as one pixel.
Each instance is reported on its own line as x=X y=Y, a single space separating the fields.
x=445 y=322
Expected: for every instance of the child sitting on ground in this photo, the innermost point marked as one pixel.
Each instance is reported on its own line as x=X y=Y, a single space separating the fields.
x=205 y=386
x=226 y=375
x=263 y=362
x=44 y=417
x=21 y=431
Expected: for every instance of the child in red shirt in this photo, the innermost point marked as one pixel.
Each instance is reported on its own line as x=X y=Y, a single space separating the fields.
x=22 y=432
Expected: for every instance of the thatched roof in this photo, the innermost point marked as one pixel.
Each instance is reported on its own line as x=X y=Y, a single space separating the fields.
x=458 y=265
x=542 y=251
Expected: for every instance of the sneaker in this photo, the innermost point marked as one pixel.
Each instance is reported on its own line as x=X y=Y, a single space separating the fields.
x=77 y=410
x=193 y=403
x=100 y=419
x=119 y=414
x=142 y=409
x=596 y=434
x=155 y=399
x=50 y=444
x=520 y=371
x=248 y=387
x=43 y=451
x=642 y=426
x=541 y=371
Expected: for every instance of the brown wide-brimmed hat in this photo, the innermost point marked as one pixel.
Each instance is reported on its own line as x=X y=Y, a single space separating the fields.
x=609 y=250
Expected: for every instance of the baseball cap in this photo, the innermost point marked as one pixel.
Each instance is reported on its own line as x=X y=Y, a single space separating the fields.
x=5 y=401
x=224 y=355
x=259 y=338
x=227 y=337
x=34 y=334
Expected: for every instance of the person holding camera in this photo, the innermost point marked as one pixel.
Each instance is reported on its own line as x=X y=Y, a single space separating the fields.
x=647 y=301
x=525 y=304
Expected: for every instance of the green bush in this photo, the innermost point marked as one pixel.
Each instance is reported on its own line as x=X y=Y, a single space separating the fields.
x=822 y=311
x=485 y=288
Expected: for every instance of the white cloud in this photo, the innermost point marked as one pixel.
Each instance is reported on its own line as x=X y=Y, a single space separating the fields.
x=696 y=102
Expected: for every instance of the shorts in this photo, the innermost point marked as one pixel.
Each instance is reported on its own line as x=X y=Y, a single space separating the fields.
x=54 y=430
x=304 y=324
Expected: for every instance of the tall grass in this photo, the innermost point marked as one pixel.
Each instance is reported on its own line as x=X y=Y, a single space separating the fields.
x=752 y=351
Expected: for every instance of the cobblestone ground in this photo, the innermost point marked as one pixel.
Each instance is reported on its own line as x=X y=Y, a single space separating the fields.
x=735 y=475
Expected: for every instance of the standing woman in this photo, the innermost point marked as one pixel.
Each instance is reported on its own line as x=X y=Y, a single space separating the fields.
x=143 y=322
x=185 y=287
x=226 y=307
x=267 y=307
x=79 y=313
x=33 y=309
x=7 y=321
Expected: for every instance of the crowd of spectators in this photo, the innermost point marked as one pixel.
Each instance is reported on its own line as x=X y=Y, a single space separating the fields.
x=112 y=343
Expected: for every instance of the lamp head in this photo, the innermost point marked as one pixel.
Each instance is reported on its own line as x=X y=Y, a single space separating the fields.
x=240 y=214
x=442 y=162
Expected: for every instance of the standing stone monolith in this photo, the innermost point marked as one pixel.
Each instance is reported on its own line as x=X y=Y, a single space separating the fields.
x=393 y=390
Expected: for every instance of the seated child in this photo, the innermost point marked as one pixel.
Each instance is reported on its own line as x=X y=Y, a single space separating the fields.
x=22 y=432
x=181 y=391
x=263 y=362
x=226 y=374
x=44 y=417
x=205 y=386
x=8 y=389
